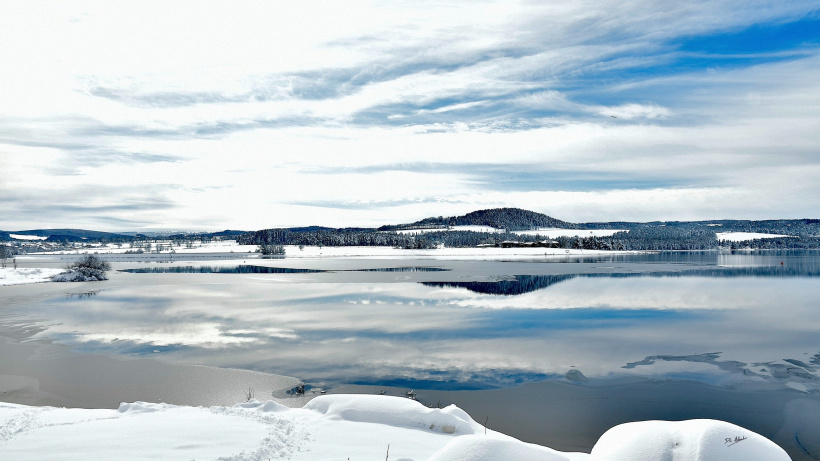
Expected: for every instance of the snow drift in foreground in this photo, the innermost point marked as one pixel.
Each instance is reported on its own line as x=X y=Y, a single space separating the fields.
x=339 y=427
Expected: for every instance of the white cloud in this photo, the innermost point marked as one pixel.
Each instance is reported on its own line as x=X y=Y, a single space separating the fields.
x=219 y=111
x=635 y=111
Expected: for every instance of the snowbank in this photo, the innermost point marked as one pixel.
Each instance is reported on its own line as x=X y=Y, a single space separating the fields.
x=10 y=276
x=394 y=411
x=697 y=439
x=339 y=427
x=483 y=448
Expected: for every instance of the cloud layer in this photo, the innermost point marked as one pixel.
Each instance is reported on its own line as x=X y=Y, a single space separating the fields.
x=209 y=115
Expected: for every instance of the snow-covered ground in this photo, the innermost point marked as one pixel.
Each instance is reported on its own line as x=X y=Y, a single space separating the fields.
x=219 y=246
x=293 y=251
x=339 y=427
x=438 y=253
x=487 y=229
x=546 y=232
x=228 y=252
x=26 y=237
x=19 y=276
x=553 y=232
x=743 y=236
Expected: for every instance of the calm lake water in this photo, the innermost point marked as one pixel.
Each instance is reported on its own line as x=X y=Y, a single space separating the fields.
x=718 y=318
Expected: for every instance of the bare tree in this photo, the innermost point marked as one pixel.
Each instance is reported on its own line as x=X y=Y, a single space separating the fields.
x=5 y=252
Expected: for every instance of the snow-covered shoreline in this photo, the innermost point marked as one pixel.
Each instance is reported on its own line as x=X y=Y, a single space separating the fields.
x=294 y=251
x=340 y=427
x=24 y=275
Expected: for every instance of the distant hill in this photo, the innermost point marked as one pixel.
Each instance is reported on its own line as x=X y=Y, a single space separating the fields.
x=513 y=219
x=655 y=235
x=225 y=233
x=71 y=234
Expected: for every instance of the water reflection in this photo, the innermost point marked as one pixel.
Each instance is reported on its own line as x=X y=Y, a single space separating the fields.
x=242 y=269
x=441 y=335
x=528 y=283
x=250 y=269
x=520 y=285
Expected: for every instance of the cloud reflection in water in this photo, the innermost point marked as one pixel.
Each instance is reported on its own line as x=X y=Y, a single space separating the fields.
x=443 y=335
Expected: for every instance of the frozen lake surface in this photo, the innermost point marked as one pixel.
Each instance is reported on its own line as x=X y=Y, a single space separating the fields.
x=721 y=319
x=744 y=323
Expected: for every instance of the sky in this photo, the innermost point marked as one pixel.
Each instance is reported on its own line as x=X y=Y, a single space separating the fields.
x=157 y=115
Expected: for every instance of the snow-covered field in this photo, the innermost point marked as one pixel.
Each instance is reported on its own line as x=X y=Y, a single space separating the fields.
x=339 y=427
x=743 y=236
x=293 y=251
x=438 y=253
x=554 y=232
x=26 y=237
x=19 y=276
x=547 y=232
x=222 y=246
x=487 y=229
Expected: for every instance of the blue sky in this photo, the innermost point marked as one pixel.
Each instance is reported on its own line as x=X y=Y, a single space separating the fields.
x=205 y=115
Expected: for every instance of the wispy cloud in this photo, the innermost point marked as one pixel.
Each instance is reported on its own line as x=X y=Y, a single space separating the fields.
x=389 y=112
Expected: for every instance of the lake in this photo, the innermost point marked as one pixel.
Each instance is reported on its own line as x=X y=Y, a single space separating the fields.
x=717 y=318
x=746 y=322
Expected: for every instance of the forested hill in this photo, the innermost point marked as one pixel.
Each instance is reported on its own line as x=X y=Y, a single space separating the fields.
x=666 y=235
x=512 y=219
x=72 y=234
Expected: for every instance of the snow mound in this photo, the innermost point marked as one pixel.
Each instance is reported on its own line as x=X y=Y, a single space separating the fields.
x=484 y=448
x=265 y=407
x=394 y=411
x=692 y=440
x=80 y=275
x=341 y=427
x=142 y=407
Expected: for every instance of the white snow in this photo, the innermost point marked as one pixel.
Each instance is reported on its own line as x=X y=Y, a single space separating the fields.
x=448 y=253
x=553 y=232
x=743 y=236
x=19 y=276
x=216 y=246
x=697 y=439
x=339 y=427
x=486 y=229
x=26 y=237
x=240 y=252
x=546 y=232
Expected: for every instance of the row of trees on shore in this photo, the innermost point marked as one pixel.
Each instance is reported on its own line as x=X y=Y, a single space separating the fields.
x=645 y=238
